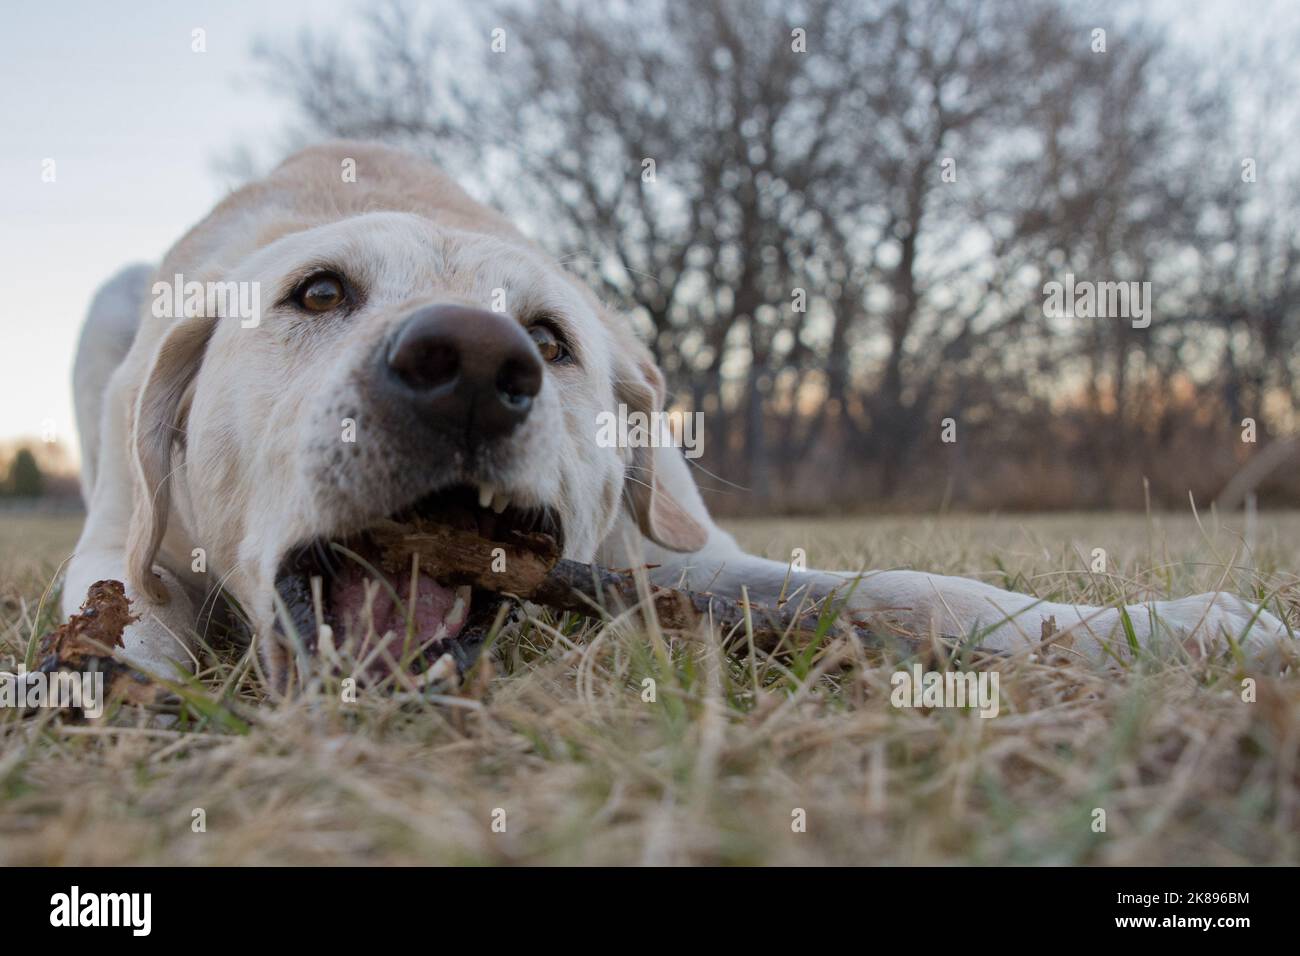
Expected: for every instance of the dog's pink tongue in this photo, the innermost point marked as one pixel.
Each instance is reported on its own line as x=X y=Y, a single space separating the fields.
x=437 y=612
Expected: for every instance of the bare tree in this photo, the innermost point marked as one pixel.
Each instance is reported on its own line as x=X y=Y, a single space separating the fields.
x=833 y=219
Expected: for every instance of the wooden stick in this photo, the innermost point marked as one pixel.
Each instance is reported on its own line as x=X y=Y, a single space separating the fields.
x=529 y=566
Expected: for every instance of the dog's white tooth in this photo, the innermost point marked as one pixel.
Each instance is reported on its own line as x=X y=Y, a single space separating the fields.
x=457 y=612
x=500 y=502
x=484 y=495
x=442 y=671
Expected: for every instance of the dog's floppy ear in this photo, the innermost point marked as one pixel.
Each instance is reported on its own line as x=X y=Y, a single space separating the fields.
x=660 y=517
x=155 y=426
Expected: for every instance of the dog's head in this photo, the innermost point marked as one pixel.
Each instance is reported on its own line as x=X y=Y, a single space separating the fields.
x=399 y=364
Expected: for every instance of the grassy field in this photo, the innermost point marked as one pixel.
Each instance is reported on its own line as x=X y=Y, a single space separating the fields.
x=554 y=743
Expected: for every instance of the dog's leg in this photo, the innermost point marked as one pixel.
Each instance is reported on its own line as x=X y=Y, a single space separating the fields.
x=923 y=603
x=102 y=388
x=106 y=338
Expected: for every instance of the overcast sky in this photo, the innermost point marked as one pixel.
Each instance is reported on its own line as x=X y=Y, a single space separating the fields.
x=133 y=119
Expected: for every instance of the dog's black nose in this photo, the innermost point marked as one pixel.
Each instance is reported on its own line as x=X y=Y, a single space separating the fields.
x=467 y=370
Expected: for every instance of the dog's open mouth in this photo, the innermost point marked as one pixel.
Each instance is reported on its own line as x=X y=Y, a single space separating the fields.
x=378 y=604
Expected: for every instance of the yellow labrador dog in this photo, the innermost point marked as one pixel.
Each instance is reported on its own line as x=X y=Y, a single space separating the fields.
x=354 y=340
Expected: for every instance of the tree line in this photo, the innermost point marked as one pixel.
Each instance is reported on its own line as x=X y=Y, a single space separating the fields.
x=834 y=222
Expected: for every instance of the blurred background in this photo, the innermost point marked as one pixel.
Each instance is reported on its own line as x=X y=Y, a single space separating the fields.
x=832 y=220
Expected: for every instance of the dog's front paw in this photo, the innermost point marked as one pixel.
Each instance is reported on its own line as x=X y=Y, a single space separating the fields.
x=1207 y=624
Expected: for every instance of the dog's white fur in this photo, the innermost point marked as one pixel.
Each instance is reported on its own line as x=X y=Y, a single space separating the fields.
x=198 y=433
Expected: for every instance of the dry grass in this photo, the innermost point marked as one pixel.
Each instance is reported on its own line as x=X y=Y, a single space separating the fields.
x=557 y=735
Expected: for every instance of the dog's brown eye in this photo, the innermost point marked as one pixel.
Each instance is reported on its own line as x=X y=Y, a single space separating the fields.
x=321 y=293
x=552 y=348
